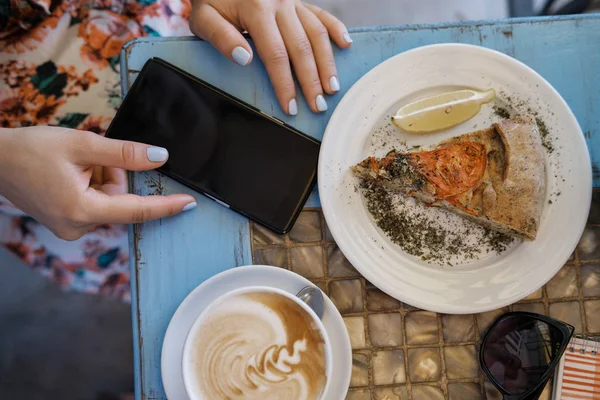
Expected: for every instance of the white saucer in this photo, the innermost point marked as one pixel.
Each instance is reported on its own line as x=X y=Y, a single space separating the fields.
x=235 y=278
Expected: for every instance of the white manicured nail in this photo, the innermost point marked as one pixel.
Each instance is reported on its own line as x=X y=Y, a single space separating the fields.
x=190 y=206
x=157 y=154
x=241 y=56
x=293 y=107
x=334 y=84
x=347 y=38
x=321 y=103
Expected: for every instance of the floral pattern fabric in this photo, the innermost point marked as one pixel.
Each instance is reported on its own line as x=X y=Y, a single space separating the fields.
x=59 y=65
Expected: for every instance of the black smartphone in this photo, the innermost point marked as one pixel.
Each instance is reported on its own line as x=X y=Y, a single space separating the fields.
x=219 y=145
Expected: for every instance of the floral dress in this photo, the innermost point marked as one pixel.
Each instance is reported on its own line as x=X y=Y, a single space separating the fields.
x=59 y=65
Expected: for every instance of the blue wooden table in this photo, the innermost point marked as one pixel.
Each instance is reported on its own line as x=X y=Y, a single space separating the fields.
x=171 y=257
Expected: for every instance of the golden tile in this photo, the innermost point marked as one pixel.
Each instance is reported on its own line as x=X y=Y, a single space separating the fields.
x=337 y=264
x=568 y=312
x=421 y=327
x=385 y=330
x=275 y=256
x=321 y=285
x=594 y=216
x=424 y=364
x=360 y=370
x=263 y=236
x=307 y=261
x=563 y=284
x=360 y=394
x=346 y=295
x=408 y=308
x=589 y=244
x=547 y=393
x=307 y=228
x=328 y=235
x=458 y=328
x=484 y=320
x=535 y=295
x=592 y=315
x=464 y=391
x=537 y=308
x=590 y=280
x=393 y=393
x=388 y=367
x=426 y=392
x=356 y=331
x=461 y=362
x=491 y=393
x=379 y=301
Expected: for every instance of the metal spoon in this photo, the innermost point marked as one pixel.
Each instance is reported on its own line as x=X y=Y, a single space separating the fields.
x=313 y=297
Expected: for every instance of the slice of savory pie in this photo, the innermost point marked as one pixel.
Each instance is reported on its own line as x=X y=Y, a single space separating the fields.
x=495 y=177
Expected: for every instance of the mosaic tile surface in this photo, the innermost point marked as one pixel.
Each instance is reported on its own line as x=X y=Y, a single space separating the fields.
x=401 y=352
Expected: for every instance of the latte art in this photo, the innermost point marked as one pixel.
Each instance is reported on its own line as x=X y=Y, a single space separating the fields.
x=259 y=345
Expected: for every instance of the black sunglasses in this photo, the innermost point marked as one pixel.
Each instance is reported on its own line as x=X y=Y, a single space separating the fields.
x=520 y=351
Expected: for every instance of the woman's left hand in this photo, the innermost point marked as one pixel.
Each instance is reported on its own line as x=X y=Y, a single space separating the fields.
x=283 y=31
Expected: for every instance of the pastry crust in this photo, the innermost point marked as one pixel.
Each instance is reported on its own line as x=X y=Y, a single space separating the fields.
x=495 y=177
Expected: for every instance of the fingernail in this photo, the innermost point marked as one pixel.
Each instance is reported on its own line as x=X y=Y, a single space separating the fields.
x=347 y=38
x=293 y=107
x=241 y=56
x=321 y=103
x=334 y=84
x=190 y=206
x=157 y=154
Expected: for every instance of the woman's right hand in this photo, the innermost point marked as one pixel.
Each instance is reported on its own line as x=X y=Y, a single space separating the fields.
x=72 y=181
x=285 y=32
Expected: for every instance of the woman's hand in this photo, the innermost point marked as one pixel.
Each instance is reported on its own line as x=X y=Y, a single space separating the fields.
x=283 y=31
x=72 y=181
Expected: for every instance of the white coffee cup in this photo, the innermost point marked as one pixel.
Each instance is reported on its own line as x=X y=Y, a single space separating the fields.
x=190 y=378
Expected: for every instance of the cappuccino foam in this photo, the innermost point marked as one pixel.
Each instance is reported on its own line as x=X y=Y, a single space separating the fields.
x=259 y=345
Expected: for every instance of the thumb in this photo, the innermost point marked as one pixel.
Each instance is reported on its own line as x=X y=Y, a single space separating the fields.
x=133 y=209
x=95 y=150
x=208 y=24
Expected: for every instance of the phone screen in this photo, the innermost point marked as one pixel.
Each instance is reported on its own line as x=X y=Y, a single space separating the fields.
x=219 y=145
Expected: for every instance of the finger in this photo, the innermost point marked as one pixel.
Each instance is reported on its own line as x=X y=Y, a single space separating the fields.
x=301 y=54
x=272 y=51
x=133 y=209
x=115 y=181
x=337 y=30
x=208 y=24
x=319 y=40
x=90 y=149
x=97 y=176
x=115 y=176
x=71 y=233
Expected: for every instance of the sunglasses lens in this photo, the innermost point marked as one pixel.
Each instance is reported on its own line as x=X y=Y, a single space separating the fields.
x=519 y=350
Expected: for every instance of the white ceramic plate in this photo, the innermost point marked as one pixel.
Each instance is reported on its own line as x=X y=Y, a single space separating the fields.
x=469 y=286
x=235 y=278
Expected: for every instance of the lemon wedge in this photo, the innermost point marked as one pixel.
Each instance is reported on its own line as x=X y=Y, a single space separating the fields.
x=441 y=111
